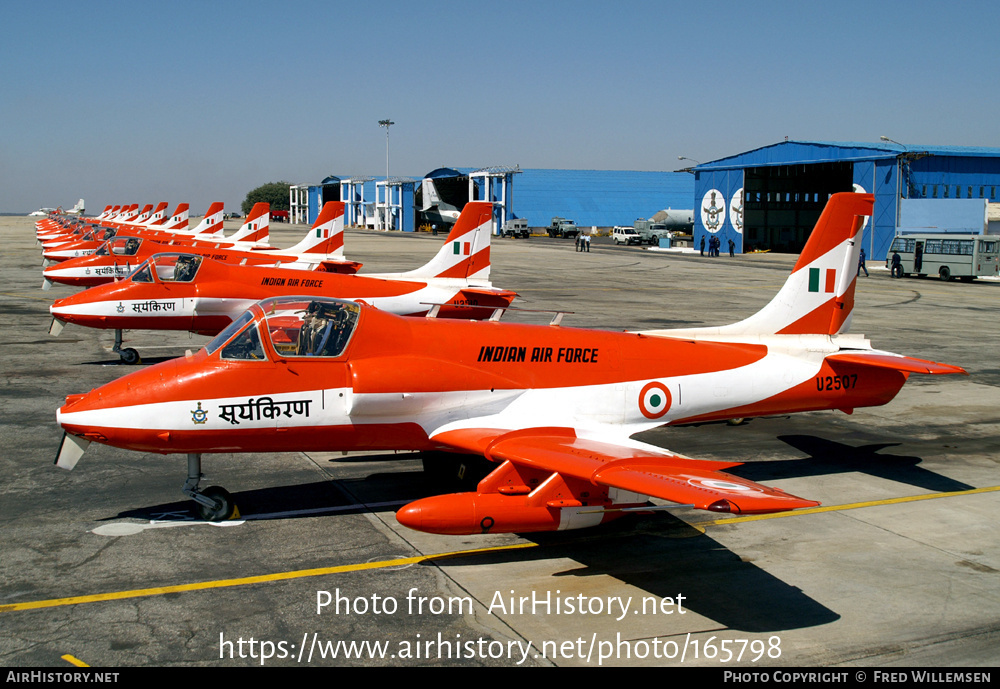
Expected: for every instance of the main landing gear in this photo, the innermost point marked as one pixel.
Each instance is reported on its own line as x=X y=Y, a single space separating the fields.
x=215 y=504
x=128 y=355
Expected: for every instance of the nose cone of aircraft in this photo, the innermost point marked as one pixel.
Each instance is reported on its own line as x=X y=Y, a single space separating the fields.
x=96 y=307
x=134 y=412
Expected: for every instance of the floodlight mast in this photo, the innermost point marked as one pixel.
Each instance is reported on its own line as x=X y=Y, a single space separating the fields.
x=386 y=123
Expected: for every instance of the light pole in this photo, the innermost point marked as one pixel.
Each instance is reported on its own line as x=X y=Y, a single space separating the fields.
x=888 y=140
x=696 y=162
x=386 y=124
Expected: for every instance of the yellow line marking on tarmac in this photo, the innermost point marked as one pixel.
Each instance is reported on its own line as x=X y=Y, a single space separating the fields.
x=74 y=661
x=382 y=564
x=849 y=506
x=245 y=581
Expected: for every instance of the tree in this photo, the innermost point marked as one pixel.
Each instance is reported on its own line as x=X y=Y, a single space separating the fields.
x=274 y=193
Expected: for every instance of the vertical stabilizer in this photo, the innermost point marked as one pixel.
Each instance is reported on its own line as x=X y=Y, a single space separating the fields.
x=212 y=222
x=818 y=296
x=179 y=220
x=256 y=228
x=466 y=251
x=326 y=237
x=158 y=216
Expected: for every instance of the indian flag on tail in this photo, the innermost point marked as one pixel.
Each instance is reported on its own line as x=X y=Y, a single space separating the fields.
x=814 y=279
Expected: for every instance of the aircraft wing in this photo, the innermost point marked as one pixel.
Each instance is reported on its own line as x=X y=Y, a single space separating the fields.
x=665 y=475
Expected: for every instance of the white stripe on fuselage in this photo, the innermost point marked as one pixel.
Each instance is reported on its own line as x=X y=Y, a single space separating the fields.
x=608 y=411
x=157 y=308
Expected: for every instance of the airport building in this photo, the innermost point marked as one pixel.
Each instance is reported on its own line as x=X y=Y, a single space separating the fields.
x=592 y=198
x=770 y=198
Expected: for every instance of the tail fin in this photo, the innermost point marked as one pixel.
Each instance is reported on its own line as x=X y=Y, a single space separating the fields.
x=466 y=251
x=257 y=226
x=158 y=216
x=327 y=234
x=104 y=213
x=179 y=220
x=128 y=214
x=212 y=222
x=141 y=219
x=429 y=194
x=818 y=296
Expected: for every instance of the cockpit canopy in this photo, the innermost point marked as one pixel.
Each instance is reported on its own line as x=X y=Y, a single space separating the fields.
x=120 y=246
x=295 y=327
x=168 y=268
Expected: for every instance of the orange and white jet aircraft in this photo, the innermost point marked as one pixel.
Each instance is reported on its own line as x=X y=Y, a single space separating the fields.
x=61 y=245
x=322 y=248
x=185 y=291
x=555 y=407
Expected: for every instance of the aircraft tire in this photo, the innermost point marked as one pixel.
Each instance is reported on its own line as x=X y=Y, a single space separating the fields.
x=225 y=507
x=130 y=356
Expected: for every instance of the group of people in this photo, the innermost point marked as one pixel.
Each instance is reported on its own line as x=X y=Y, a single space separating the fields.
x=715 y=244
x=583 y=242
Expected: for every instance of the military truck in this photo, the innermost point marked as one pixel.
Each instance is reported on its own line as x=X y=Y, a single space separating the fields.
x=650 y=232
x=562 y=227
x=516 y=228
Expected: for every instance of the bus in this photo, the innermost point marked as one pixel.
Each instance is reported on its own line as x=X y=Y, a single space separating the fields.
x=964 y=256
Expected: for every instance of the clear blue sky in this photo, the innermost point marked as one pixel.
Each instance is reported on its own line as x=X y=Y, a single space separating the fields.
x=138 y=102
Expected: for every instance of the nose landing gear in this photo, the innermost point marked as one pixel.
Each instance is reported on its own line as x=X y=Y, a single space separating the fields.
x=128 y=355
x=215 y=504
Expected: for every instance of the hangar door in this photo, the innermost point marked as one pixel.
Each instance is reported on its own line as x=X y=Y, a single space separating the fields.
x=783 y=202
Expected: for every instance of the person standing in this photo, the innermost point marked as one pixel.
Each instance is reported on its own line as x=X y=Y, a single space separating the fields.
x=732 y=248
x=703 y=245
x=861 y=263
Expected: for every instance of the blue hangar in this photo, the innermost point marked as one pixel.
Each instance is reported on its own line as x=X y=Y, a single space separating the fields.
x=770 y=198
x=601 y=198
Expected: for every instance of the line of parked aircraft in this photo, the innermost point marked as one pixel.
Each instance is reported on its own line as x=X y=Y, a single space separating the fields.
x=310 y=355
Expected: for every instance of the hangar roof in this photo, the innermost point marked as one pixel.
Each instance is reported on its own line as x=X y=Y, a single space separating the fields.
x=443 y=172
x=795 y=152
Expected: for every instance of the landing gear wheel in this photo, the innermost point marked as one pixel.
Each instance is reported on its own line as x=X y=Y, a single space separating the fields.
x=130 y=356
x=224 y=505
x=738 y=421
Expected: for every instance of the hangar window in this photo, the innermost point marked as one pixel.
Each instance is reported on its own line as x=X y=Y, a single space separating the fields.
x=934 y=192
x=981 y=194
x=993 y=192
x=923 y=191
x=946 y=188
x=969 y=194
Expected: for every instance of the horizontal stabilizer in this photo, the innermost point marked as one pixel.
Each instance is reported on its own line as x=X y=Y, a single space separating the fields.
x=895 y=362
x=343 y=267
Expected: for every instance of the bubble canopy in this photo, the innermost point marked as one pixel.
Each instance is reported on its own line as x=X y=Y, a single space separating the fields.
x=295 y=327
